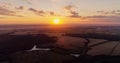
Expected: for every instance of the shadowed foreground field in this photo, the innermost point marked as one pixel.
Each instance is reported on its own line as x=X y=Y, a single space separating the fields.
x=17 y=49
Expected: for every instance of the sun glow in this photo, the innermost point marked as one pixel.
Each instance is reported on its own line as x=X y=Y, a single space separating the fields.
x=56 y=21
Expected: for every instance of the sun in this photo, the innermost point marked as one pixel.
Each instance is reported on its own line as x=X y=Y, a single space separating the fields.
x=56 y=21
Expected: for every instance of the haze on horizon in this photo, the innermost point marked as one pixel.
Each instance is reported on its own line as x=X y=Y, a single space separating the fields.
x=68 y=11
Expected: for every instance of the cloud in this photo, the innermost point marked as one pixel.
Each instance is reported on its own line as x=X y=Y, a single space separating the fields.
x=8 y=12
x=97 y=16
x=19 y=8
x=74 y=14
x=69 y=7
x=42 y=12
x=38 y=12
x=100 y=17
x=52 y=13
x=71 y=10
x=114 y=12
x=4 y=11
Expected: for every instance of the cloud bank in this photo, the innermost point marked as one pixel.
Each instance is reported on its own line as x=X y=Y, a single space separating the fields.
x=114 y=12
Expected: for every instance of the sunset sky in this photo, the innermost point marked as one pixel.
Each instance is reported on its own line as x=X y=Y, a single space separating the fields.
x=68 y=11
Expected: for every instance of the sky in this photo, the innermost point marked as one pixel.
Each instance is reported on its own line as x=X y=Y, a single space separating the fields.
x=104 y=12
